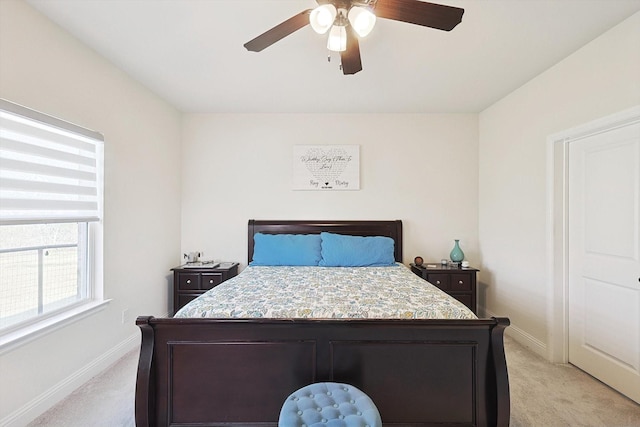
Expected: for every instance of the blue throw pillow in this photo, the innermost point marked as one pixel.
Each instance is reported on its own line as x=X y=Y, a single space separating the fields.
x=286 y=249
x=356 y=251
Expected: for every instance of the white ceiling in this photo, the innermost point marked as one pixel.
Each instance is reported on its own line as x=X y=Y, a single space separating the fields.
x=190 y=52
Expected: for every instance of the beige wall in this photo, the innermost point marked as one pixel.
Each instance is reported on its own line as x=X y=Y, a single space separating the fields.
x=600 y=79
x=421 y=168
x=44 y=68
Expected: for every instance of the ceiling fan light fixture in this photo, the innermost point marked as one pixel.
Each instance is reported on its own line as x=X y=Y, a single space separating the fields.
x=362 y=20
x=322 y=18
x=347 y=21
x=337 y=39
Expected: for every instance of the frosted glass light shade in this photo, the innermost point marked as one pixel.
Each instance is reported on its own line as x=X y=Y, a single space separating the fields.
x=362 y=20
x=337 y=39
x=322 y=17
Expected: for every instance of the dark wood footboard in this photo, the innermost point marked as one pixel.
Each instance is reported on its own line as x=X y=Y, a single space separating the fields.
x=236 y=372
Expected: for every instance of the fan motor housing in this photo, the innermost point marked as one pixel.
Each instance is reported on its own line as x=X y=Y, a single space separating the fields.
x=347 y=4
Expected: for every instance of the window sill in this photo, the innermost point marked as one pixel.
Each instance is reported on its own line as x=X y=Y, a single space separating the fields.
x=28 y=333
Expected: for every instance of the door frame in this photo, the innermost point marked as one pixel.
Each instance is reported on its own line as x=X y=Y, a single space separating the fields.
x=557 y=243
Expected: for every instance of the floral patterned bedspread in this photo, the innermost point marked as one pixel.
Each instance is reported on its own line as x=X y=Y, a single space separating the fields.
x=326 y=292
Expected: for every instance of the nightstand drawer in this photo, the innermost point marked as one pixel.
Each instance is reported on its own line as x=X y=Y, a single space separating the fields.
x=210 y=280
x=188 y=281
x=440 y=280
x=184 y=299
x=466 y=299
x=460 y=282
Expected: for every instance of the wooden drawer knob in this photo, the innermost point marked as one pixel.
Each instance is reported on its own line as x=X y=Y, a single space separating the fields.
x=461 y=282
x=437 y=282
x=188 y=281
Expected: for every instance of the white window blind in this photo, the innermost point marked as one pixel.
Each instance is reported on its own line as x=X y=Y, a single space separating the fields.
x=48 y=169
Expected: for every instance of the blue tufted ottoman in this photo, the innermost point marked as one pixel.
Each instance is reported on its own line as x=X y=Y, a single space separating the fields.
x=329 y=405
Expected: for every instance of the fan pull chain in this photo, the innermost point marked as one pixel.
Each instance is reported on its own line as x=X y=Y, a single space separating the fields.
x=329 y=60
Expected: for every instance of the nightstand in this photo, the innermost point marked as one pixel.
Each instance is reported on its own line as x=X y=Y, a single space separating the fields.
x=191 y=282
x=460 y=283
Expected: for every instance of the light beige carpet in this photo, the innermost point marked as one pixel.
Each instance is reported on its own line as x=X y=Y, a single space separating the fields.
x=107 y=400
x=542 y=395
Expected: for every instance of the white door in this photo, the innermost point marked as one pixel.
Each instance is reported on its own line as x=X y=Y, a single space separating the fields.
x=604 y=257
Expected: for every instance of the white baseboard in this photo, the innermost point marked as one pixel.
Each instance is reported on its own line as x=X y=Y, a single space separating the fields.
x=55 y=394
x=522 y=337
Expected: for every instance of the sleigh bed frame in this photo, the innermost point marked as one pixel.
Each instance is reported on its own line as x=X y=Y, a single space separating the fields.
x=237 y=372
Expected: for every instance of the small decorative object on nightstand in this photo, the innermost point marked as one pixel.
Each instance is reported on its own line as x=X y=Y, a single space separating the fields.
x=456 y=254
x=418 y=261
x=189 y=282
x=460 y=283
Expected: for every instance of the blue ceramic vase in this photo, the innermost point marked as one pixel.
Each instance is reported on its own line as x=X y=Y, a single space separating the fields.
x=456 y=254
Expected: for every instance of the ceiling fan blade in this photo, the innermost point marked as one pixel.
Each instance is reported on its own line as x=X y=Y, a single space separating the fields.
x=351 y=62
x=279 y=32
x=420 y=13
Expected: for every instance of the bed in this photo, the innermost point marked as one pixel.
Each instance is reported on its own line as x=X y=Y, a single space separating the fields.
x=236 y=369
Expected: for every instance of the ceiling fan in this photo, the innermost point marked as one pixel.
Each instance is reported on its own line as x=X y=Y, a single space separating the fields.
x=346 y=20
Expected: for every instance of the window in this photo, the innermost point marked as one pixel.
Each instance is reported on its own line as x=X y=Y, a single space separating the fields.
x=50 y=220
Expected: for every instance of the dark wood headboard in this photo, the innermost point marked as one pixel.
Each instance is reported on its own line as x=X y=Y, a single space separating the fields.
x=391 y=229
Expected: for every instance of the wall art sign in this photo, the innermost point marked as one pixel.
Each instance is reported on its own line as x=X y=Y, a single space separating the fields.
x=326 y=167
